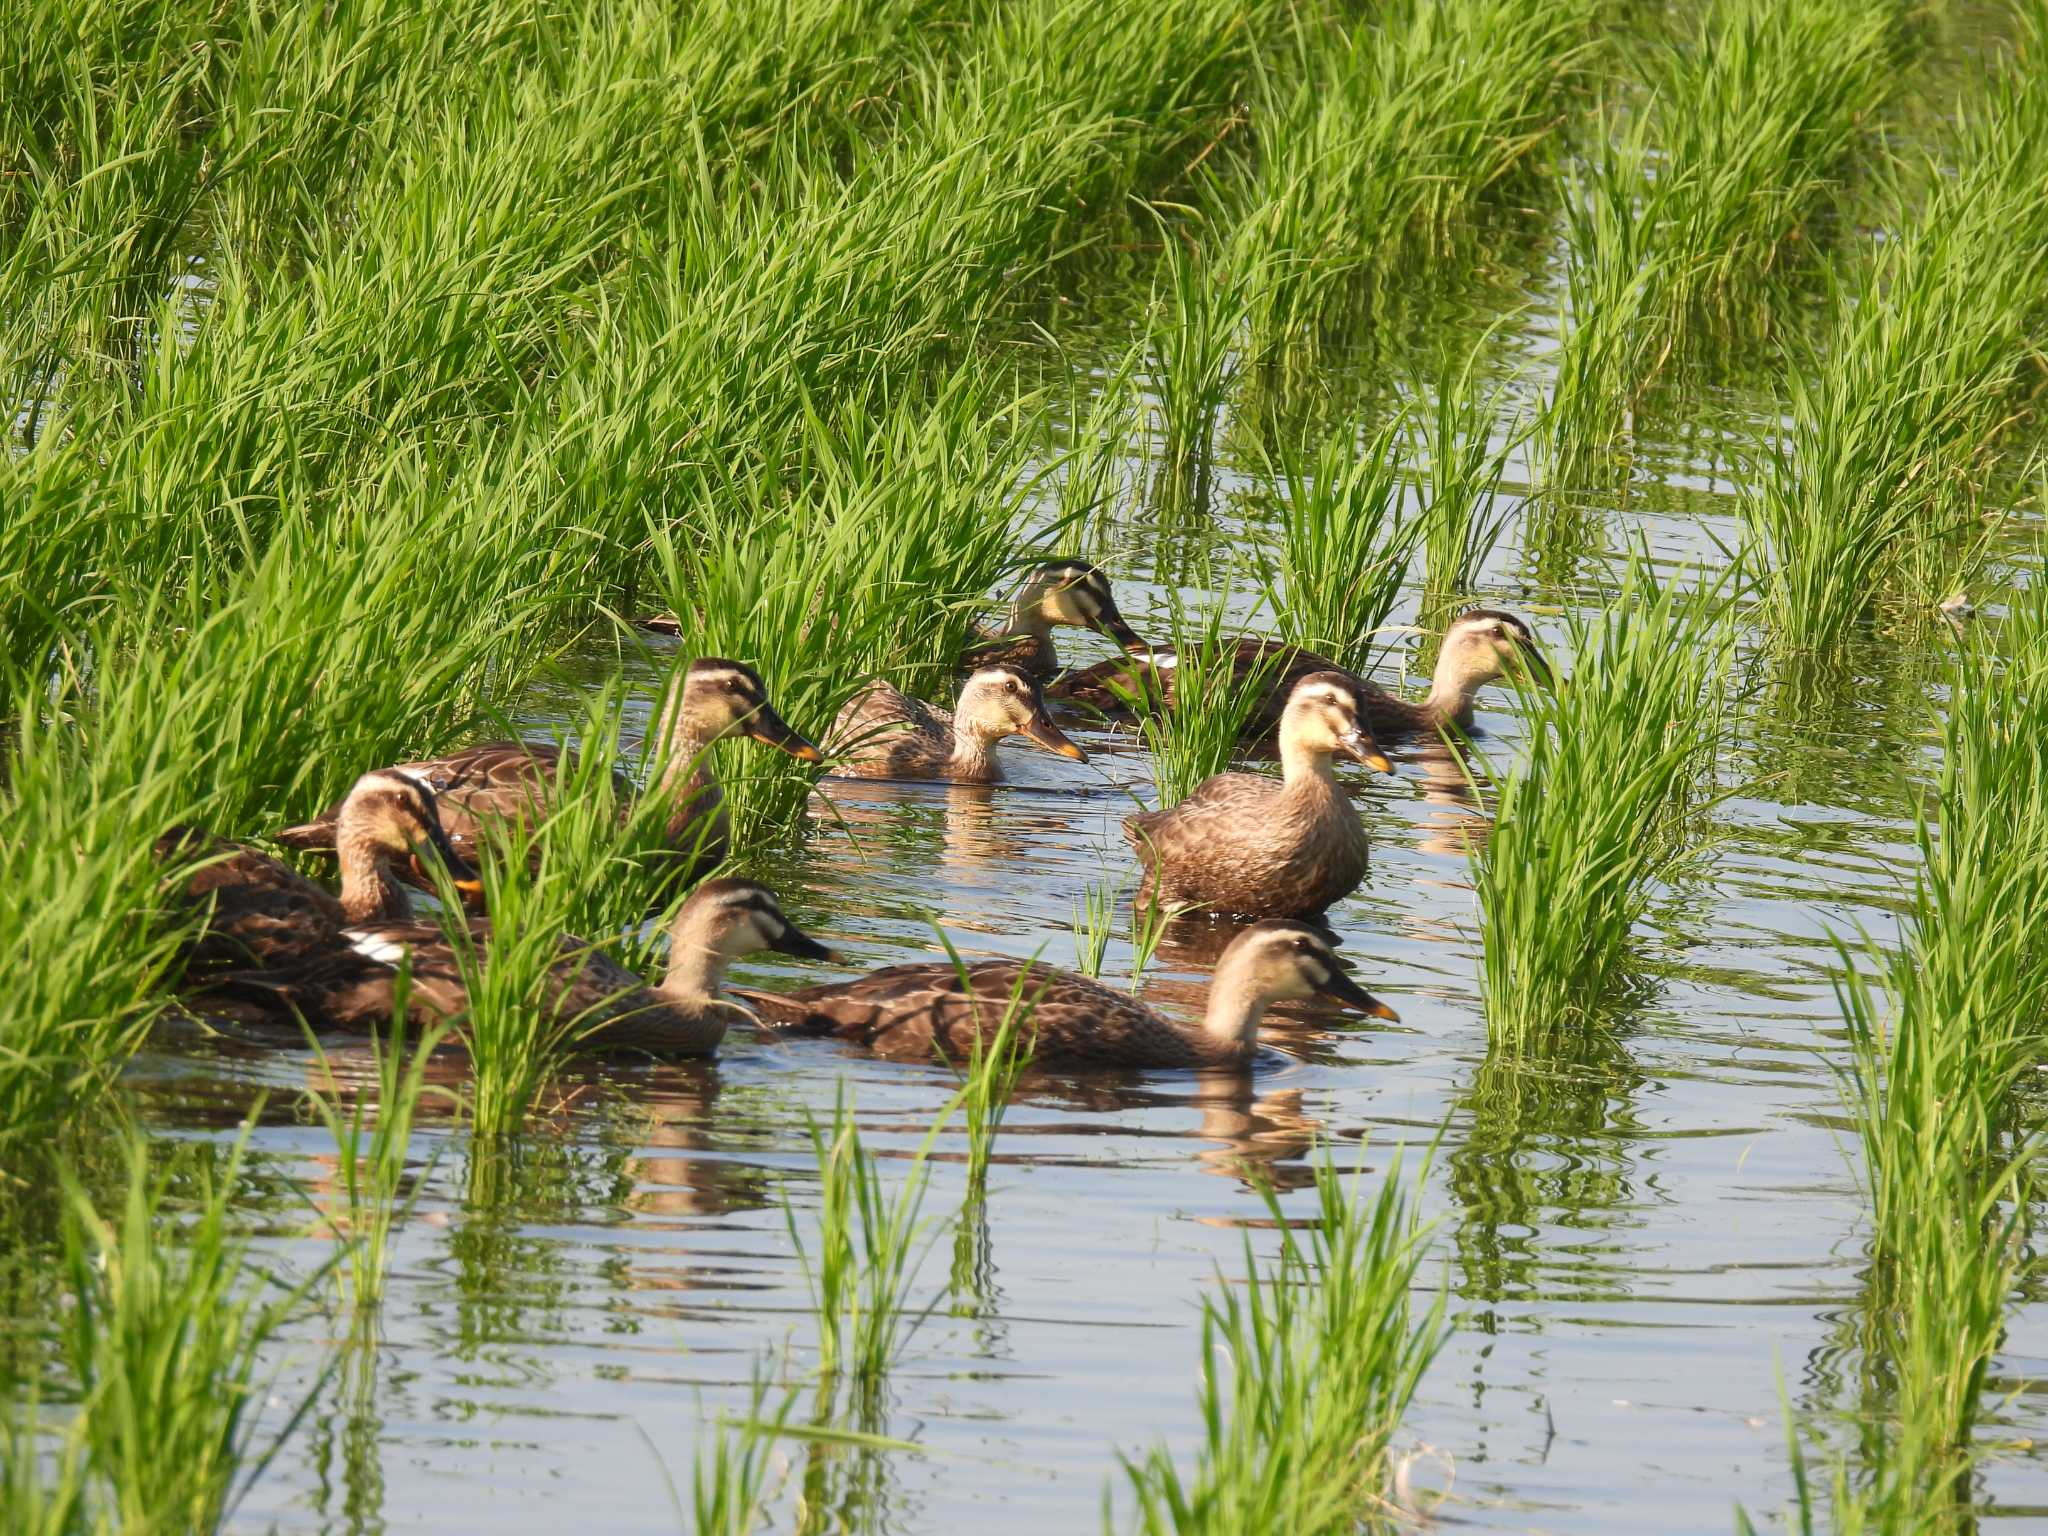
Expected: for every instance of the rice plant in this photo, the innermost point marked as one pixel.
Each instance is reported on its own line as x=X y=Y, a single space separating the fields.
x=371 y=1142
x=1344 y=546
x=735 y=1479
x=1597 y=813
x=165 y=1339
x=1194 y=329
x=867 y=1253
x=1307 y=1368
x=1094 y=916
x=1216 y=694
x=1466 y=440
x=1870 y=496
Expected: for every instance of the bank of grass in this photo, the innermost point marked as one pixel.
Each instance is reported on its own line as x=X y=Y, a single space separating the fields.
x=1601 y=808
x=1869 y=501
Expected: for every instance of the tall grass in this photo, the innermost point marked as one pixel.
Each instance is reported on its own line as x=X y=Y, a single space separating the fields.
x=165 y=1337
x=1939 y=1041
x=1196 y=733
x=1598 y=812
x=1325 y=1349
x=1870 y=497
x=1465 y=439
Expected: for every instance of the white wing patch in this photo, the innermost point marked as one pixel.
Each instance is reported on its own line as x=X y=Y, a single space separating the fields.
x=383 y=951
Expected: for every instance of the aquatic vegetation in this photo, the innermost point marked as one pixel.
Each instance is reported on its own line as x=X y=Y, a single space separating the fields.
x=1216 y=695
x=867 y=1252
x=990 y=1073
x=165 y=1341
x=1094 y=920
x=372 y=1135
x=1325 y=1348
x=1597 y=813
x=1465 y=439
x=1870 y=497
x=1344 y=546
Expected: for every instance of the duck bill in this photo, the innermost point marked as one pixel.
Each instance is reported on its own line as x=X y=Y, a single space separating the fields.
x=795 y=941
x=1114 y=625
x=1042 y=732
x=771 y=730
x=1344 y=990
x=1537 y=666
x=1362 y=748
x=462 y=875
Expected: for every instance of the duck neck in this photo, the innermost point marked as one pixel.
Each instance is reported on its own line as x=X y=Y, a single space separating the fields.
x=1035 y=627
x=1305 y=767
x=696 y=965
x=688 y=765
x=1451 y=693
x=368 y=893
x=974 y=755
x=1230 y=1023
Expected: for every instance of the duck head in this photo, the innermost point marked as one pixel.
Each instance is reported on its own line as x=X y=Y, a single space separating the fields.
x=1001 y=701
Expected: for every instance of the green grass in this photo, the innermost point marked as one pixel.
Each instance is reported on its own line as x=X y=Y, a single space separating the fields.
x=1870 y=500
x=1307 y=1367
x=1601 y=808
x=164 y=1343
x=1197 y=733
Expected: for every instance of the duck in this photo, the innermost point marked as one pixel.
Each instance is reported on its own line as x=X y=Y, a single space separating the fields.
x=883 y=733
x=1052 y=593
x=255 y=910
x=911 y=1012
x=351 y=985
x=1481 y=646
x=505 y=780
x=1243 y=844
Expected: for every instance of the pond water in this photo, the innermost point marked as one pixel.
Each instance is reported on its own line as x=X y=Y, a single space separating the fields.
x=1642 y=1243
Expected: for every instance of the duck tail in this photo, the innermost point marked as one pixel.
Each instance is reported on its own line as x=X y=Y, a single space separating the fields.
x=777 y=1011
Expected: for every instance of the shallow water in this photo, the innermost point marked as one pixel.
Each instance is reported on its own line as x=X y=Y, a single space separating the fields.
x=1640 y=1243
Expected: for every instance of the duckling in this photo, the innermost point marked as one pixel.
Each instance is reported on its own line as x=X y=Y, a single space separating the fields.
x=258 y=911
x=351 y=984
x=1483 y=645
x=1243 y=844
x=912 y=1011
x=714 y=698
x=883 y=733
x=1053 y=592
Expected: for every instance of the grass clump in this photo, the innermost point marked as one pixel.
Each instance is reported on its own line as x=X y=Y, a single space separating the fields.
x=1216 y=696
x=1871 y=494
x=1325 y=1350
x=164 y=1340
x=1595 y=814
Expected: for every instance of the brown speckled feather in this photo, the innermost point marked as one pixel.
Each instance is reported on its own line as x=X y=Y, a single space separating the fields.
x=1244 y=843
x=1097 y=687
x=255 y=910
x=887 y=734
x=1028 y=653
x=911 y=1012
x=350 y=986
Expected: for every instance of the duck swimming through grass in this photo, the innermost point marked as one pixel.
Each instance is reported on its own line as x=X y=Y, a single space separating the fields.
x=883 y=733
x=913 y=1012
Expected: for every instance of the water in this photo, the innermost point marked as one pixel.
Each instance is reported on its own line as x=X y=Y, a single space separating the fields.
x=1641 y=1243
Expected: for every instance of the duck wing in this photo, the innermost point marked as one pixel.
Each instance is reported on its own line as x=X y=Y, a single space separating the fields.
x=1218 y=802
x=254 y=910
x=498 y=779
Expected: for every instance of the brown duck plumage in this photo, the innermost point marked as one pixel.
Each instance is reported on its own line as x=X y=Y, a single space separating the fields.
x=883 y=733
x=1244 y=843
x=1053 y=593
x=256 y=911
x=351 y=984
x=507 y=780
x=913 y=1012
x=1481 y=646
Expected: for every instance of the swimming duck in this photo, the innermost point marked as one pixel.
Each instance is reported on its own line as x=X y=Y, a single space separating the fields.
x=911 y=1011
x=1242 y=843
x=883 y=733
x=351 y=984
x=1483 y=645
x=715 y=698
x=258 y=911
x=1053 y=592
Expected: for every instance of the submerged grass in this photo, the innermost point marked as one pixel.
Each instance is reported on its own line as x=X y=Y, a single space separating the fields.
x=1597 y=813
x=1325 y=1349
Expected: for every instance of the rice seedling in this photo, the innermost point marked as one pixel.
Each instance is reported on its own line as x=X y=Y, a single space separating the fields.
x=1325 y=1350
x=1597 y=812
x=1344 y=546
x=42 y=1492
x=990 y=1075
x=1148 y=932
x=369 y=1199
x=1094 y=916
x=1871 y=492
x=164 y=1340
x=1194 y=334
x=1466 y=443
x=867 y=1252
x=1196 y=733
x=735 y=1478
x=1380 y=130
